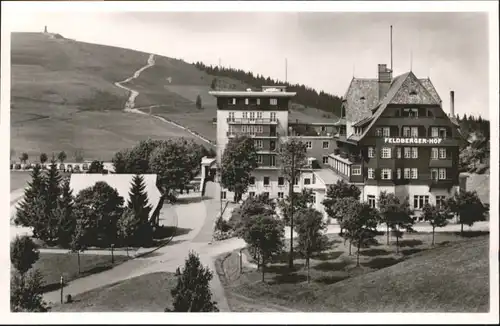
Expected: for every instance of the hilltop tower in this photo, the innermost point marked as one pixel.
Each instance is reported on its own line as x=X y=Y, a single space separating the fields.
x=45 y=30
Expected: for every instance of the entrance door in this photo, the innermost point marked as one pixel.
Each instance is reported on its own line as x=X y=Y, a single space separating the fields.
x=434 y=175
x=273 y=130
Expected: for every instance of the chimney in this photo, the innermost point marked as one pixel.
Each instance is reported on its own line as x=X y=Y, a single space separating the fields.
x=384 y=80
x=452 y=104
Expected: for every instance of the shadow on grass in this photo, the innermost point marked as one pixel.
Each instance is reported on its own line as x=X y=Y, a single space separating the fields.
x=408 y=252
x=471 y=234
x=283 y=268
x=374 y=252
x=331 y=266
x=284 y=256
x=190 y=200
x=292 y=278
x=330 y=255
x=410 y=243
x=331 y=279
x=381 y=262
x=97 y=269
x=164 y=232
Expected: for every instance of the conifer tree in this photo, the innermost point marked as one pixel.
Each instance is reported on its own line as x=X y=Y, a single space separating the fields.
x=138 y=199
x=64 y=213
x=25 y=215
x=192 y=293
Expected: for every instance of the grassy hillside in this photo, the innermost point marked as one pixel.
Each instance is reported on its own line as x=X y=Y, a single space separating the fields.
x=451 y=277
x=64 y=98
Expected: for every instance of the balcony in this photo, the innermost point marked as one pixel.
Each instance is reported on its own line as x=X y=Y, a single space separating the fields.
x=441 y=163
x=441 y=184
x=246 y=121
x=268 y=135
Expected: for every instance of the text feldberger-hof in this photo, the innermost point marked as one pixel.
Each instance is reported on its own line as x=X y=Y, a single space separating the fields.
x=413 y=140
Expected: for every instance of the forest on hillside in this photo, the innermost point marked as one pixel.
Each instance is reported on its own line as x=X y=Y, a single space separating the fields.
x=306 y=96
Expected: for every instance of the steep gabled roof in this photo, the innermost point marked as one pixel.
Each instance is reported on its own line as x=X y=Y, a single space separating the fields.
x=362 y=97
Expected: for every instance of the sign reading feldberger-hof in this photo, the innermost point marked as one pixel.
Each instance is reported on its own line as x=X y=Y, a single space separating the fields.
x=413 y=140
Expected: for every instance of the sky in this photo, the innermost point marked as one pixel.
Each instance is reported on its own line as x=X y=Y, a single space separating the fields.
x=324 y=50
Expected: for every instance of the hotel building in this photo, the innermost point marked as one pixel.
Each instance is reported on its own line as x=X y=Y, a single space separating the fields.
x=393 y=135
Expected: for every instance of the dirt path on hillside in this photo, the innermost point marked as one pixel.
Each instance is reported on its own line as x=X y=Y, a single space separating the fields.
x=130 y=105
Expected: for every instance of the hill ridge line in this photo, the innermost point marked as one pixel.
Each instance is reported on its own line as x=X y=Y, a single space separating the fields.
x=130 y=104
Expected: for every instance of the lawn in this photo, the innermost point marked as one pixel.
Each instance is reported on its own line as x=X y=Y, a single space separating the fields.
x=452 y=276
x=53 y=265
x=145 y=293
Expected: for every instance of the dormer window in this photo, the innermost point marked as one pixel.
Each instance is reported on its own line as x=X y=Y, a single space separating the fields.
x=413 y=92
x=246 y=101
x=273 y=101
x=232 y=101
x=412 y=113
x=362 y=98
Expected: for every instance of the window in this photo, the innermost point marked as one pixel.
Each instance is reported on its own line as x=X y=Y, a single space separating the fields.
x=371 y=173
x=266 y=194
x=371 y=152
x=325 y=159
x=406 y=132
x=420 y=201
x=442 y=174
x=440 y=200
x=258 y=101
x=434 y=153
x=296 y=181
x=266 y=181
x=414 y=131
x=442 y=132
x=232 y=101
x=252 y=115
x=407 y=173
x=386 y=174
x=378 y=132
x=280 y=195
x=260 y=159
x=407 y=151
x=307 y=181
x=442 y=153
x=356 y=170
x=259 y=115
x=309 y=144
x=398 y=152
x=434 y=174
x=272 y=145
x=386 y=152
x=273 y=116
x=386 y=132
x=222 y=195
x=413 y=113
x=398 y=171
x=273 y=101
x=251 y=194
x=258 y=143
x=326 y=144
x=313 y=196
x=231 y=129
x=371 y=201
x=281 y=181
x=245 y=115
x=231 y=116
x=434 y=132
x=414 y=173
x=246 y=101
x=414 y=152
x=272 y=160
x=252 y=180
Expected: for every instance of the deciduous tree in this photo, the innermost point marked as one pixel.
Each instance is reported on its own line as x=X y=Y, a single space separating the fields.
x=292 y=158
x=62 y=156
x=310 y=228
x=192 y=292
x=80 y=239
x=102 y=206
x=24 y=157
x=360 y=224
x=251 y=207
x=264 y=234
x=96 y=167
x=468 y=207
x=334 y=193
x=127 y=227
x=396 y=214
x=238 y=162
x=303 y=199
x=436 y=216
x=43 y=158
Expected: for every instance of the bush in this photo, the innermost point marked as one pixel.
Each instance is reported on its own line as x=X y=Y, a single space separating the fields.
x=220 y=235
x=27 y=166
x=222 y=225
x=18 y=166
